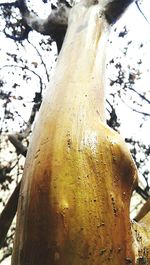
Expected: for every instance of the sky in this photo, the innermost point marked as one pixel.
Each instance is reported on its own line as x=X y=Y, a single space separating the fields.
x=139 y=29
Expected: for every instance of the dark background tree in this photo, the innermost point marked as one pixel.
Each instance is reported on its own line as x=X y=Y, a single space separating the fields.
x=27 y=62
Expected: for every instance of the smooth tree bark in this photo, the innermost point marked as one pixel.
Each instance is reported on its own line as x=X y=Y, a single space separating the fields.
x=79 y=175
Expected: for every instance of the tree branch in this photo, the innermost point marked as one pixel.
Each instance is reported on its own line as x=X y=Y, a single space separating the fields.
x=16 y=138
x=143 y=211
x=21 y=149
x=8 y=214
x=114 y=9
x=12 y=4
x=23 y=36
x=10 y=209
x=142 y=193
x=138 y=111
x=26 y=68
x=54 y=25
x=139 y=94
x=42 y=61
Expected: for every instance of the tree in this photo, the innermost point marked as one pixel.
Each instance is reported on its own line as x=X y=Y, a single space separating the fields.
x=69 y=142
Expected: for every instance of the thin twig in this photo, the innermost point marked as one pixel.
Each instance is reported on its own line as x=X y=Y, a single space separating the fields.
x=26 y=68
x=139 y=94
x=40 y=59
x=15 y=4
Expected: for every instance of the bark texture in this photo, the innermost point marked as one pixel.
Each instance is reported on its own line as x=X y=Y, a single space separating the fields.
x=79 y=175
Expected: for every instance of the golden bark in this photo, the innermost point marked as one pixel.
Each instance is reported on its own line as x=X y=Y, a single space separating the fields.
x=141 y=240
x=79 y=175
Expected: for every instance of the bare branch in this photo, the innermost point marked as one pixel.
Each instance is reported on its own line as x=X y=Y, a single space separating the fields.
x=142 y=193
x=5 y=170
x=10 y=209
x=57 y=20
x=114 y=9
x=12 y=4
x=35 y=108
x=139 y=94
x=8 y=214
x=140 y=112
x=16 y=138
x=21 y=149
x=54 y=25
x=137 y=111
x=23 y=36
x=25 y=29
x=137 y=4
x=112 y=122
x=22 y=6
x=26 y=68
x=143 y=211
x=47 y=75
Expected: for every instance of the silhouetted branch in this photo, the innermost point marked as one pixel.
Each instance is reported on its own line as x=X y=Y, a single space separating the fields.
x=54 y=25
x=140 y=95
x=135 y=110
x=115 y=9
x=16 y=139
x=34 y=110
x=143 y=211
x=137 y=4
x=30 y=70
x=142 y=193
x=8 y=214
x=12 y=4
x=20 y=148
x=10 y=209
x=47 y=75
x=23 y=36
x=112 y=122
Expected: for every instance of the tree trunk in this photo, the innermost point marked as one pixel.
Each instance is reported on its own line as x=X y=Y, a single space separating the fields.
x=79 y=175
